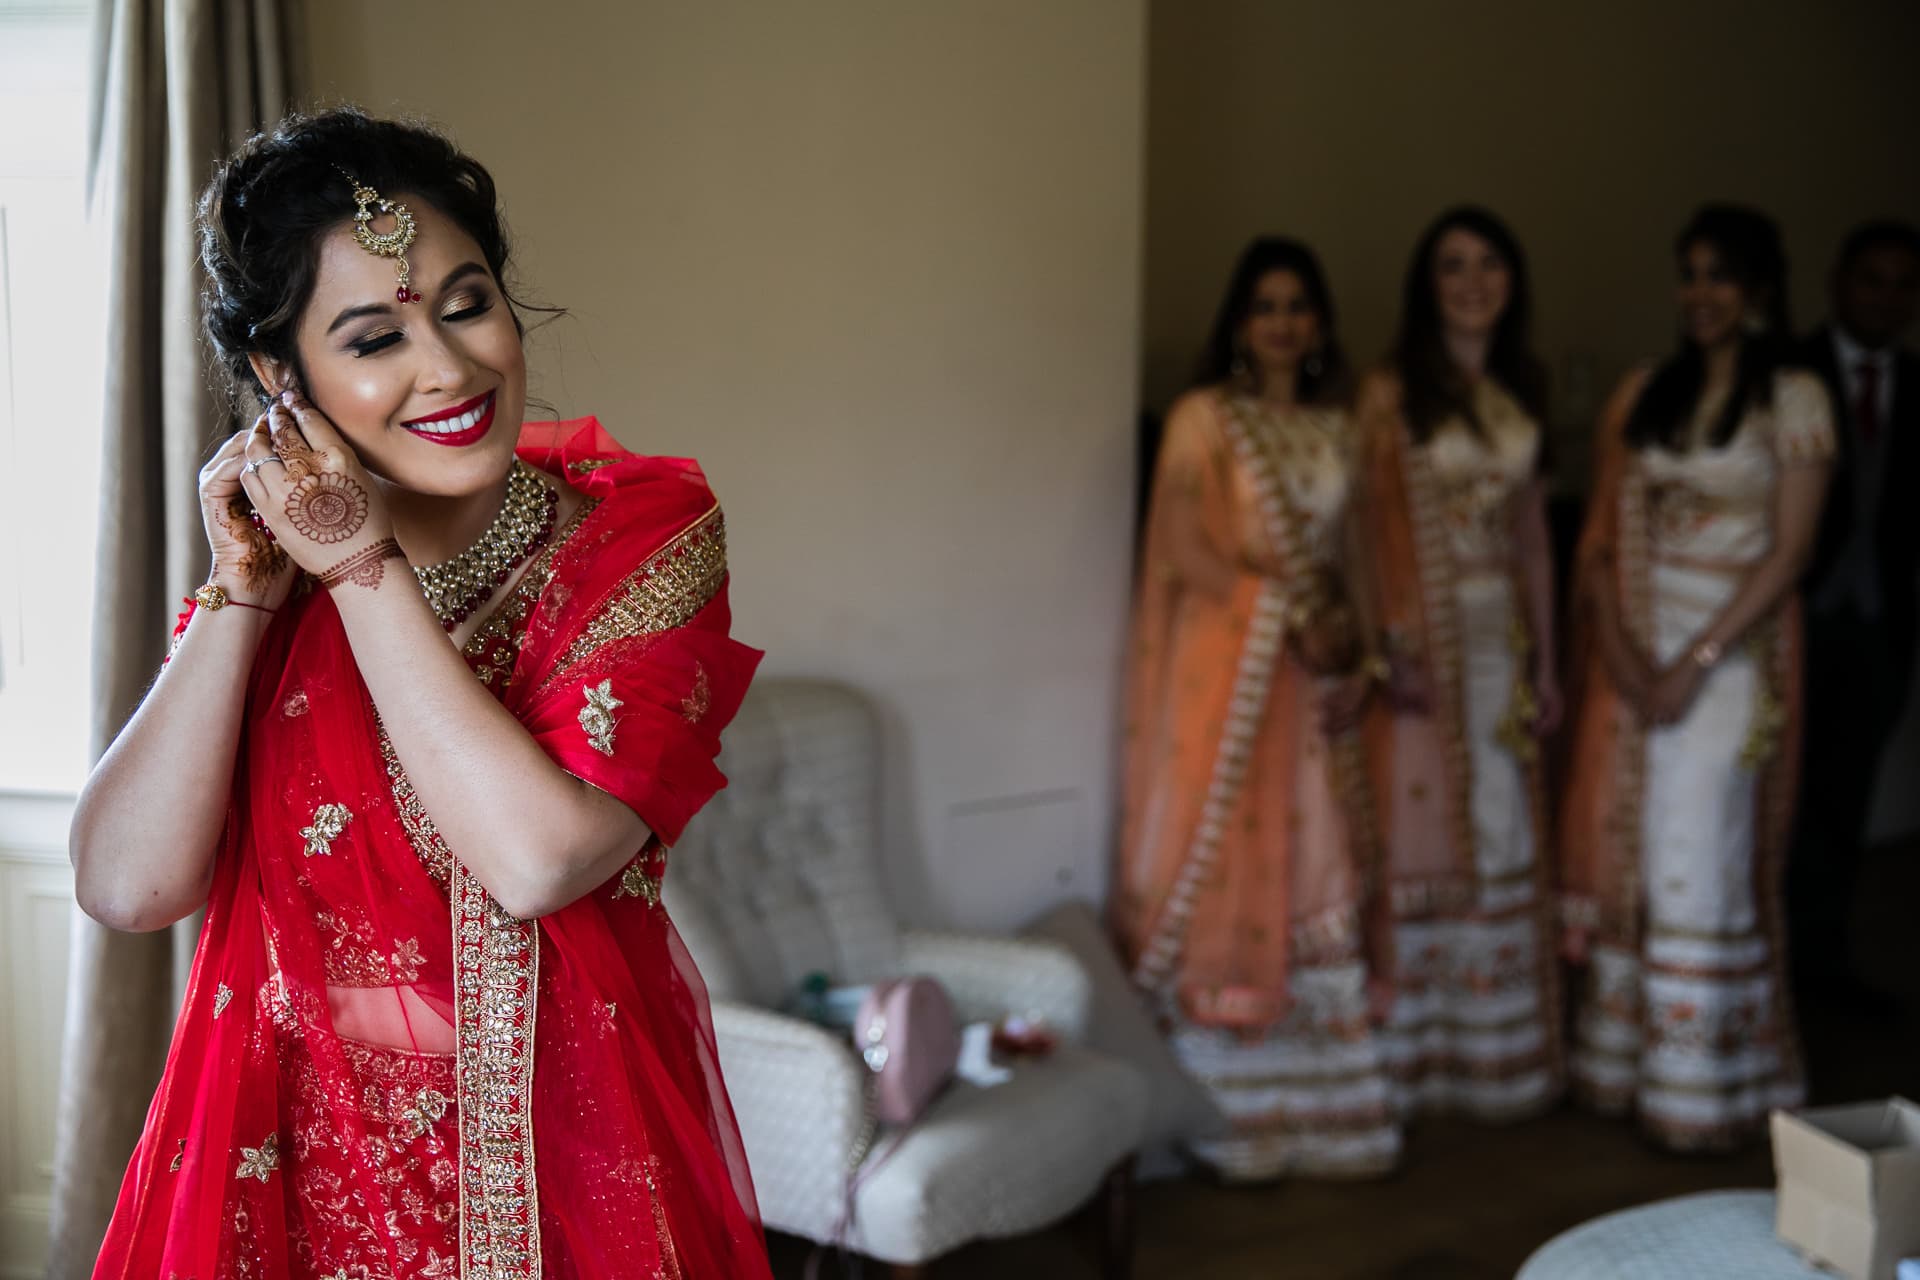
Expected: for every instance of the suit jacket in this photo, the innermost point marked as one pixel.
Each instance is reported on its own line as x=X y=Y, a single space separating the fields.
x=1897 y=538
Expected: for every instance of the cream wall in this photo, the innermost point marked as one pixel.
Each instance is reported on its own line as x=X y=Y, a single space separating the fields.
x=876 y=265
x=1594 y=128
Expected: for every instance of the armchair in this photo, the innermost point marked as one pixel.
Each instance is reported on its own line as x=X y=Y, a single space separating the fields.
x=780 y=878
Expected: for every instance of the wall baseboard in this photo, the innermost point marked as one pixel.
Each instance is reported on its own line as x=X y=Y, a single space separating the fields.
x=36 y=913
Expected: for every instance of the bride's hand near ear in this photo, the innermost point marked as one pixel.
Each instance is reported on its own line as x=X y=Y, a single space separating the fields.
x=309 y=486
x=247 y=565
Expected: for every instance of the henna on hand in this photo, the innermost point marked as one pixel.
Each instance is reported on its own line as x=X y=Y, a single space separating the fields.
x=292 y=448
x=364 y=568
x=326 y=508
x=261 y=560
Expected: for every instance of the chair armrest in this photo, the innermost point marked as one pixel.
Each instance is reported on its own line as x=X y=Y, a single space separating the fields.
x=990 y=977
x=798 y=1093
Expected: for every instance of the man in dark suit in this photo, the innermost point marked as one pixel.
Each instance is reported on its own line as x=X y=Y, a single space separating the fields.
x=1860 y=588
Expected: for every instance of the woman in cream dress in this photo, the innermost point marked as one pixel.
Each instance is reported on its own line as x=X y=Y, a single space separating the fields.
x=1713 y=468
x=1246 y=829
x=1456 y=522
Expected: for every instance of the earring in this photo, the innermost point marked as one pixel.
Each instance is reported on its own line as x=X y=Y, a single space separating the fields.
x=1754 y=323
x=1241 y=371
x=1314 y=366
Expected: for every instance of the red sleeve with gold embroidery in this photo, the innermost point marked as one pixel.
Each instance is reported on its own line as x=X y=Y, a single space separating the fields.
x=636 y=701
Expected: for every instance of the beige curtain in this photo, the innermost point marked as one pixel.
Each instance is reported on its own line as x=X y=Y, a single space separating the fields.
x=176 y=84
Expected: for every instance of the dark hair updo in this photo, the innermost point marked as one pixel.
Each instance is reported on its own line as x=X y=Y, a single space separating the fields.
x=262 y=216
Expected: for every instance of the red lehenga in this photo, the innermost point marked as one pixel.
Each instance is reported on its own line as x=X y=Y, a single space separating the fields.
x=377 y=1072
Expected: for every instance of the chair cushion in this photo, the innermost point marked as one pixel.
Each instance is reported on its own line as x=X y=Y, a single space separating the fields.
x=1003 y=1161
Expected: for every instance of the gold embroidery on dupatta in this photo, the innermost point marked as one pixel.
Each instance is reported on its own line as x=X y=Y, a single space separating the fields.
x=694 y=707
x=419 y=1116
x=674 y=584
x=636 y=881
x=1435 y=570
x=496 y=979
x=329 y=822
x=597 y=716
x=1253 y=681
x=494 y=648
x=669 y=1256
x=261 y=1161
x=407 y=959
x=584 y=465
x=428 y=845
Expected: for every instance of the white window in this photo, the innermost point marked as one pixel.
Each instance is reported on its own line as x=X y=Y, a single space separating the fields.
x=51 y=334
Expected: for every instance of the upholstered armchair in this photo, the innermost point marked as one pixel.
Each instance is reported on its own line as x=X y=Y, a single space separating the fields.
x=780 y=878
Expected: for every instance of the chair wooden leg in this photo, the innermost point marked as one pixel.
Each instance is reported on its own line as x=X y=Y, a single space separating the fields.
x=1115 y=1211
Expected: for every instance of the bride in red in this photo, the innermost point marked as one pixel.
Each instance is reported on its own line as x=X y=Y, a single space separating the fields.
x=439 y=1024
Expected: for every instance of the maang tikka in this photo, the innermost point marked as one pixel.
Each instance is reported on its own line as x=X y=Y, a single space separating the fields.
x=393 y=244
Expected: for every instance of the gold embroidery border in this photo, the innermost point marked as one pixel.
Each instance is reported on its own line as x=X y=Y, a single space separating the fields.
x=496 y=984
x=665 y=592
x=496 y=992
x=1346 y=751
x=428 y=844
x=1440 y=613
x=1252 y=682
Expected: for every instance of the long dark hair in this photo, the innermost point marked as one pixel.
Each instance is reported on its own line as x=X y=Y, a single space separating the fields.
x=1433 y=387
x=1748 y=245
x=263 y=214
x=1267 y=254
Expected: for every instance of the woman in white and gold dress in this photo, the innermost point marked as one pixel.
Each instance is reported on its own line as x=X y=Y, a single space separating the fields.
x=1713 y=469
x=1246 y=833
x=1456 y=521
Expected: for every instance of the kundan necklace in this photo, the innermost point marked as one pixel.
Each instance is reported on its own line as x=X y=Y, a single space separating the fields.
x=456 y=587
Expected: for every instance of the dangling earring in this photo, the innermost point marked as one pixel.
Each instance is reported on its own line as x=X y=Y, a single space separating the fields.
x=1314 y=366
x=1754 y=323
x=1242 y=370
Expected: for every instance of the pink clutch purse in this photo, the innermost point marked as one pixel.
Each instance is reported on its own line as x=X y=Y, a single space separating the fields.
x=906 y=1032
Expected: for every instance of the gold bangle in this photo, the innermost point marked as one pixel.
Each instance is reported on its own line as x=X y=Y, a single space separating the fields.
x=213 y=598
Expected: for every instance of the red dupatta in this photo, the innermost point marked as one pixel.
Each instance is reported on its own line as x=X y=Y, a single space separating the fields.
x=377 y=1072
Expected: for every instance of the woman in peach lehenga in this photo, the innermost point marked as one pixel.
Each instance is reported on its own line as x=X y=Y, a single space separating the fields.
x=1457 y=530
x=1242 y=868
x=1712 y=473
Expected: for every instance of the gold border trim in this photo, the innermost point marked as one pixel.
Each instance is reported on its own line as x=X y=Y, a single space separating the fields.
x=665 y=592
x=496 y=991
x=1253 y=681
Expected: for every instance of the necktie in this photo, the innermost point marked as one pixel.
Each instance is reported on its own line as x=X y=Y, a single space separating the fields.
x=1866 y=401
